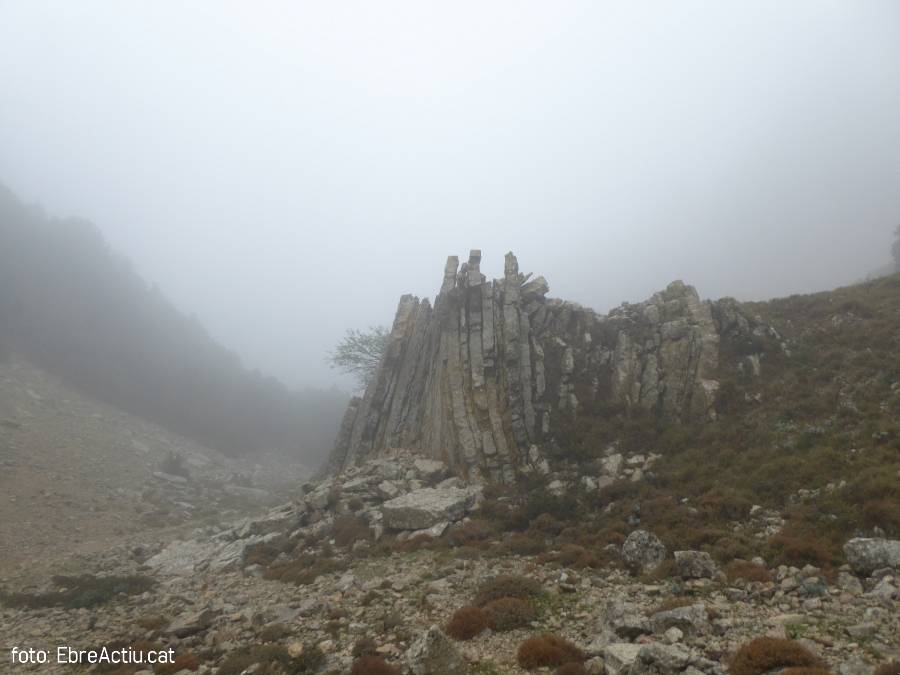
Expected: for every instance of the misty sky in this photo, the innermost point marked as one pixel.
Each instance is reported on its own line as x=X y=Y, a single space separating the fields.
x=287 y=170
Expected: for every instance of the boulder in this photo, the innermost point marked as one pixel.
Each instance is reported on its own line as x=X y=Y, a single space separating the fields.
x=433 y=653
x=619 y=657
x=855 y=666
x=867 y=555
x=884 y=589
x=643 y=552
x=612 y=464
x=423 y=508
x=659 y=659
x=191 y=623
x=181 y=557
x=691 y=620
x=170 y=478
x=695 y=565
x=430 y=470
x=624 y=620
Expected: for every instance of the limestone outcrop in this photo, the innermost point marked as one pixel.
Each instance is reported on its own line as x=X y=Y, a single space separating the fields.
x=484 y=378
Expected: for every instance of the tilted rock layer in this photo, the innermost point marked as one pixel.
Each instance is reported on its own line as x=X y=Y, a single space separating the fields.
x=484 y=378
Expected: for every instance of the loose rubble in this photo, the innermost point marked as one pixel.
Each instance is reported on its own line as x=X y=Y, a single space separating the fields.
x=213 y=595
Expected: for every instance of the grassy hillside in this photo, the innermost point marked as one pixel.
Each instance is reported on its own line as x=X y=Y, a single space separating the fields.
x=813 y=439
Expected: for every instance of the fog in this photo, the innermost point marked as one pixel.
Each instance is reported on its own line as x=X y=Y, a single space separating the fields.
x=286 y=171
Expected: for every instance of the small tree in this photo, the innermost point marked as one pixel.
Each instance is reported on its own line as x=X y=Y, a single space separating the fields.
x=360 y=352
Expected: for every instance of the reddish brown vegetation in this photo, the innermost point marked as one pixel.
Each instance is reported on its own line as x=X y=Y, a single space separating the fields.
x=748 y=571
x=767 y=653
x=467 y=622
x=509 y=613
x=571 y=669
x=373 y=665
x=506 y=586
x=547 y=650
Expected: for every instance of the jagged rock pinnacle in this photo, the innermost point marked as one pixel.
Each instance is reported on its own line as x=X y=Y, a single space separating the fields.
x=484 y=378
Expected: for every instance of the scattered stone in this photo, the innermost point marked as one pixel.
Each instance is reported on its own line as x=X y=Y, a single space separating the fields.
x=695 y=565
x=692 y=620
x=433 y=653
x=643 y=552
x=619 y=656
x=421 y=509
x=867 y=555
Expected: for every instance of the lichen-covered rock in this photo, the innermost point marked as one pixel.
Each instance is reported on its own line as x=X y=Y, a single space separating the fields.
x=619 y=656
x=624 y=620
x=433 y=653
x=643 y=552
x=695 y=565
x=659 y=659
x=867 y=555
x=424 y=508
x=691 y=620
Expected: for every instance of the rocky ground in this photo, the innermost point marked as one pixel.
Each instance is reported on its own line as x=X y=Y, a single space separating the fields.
x=378 y=559
x=78 y=476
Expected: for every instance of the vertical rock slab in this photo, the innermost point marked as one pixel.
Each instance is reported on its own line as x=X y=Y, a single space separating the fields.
x=490 y=371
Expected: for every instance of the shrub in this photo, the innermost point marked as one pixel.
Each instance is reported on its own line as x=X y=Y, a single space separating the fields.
x=542 y=502
x=506 y=586
x=800 y=550
x=521 y=543
x=724 y=505
x=152 y=622
x=670 y=604
x=274 y=632
x=889 y=668
x=271 y=657
x=365 y=646
x=186 y=661
x=547 y=650
x=805 y=671
x=572 y=555
x=81 y=591
x=373 y=665
x=303 y=570
x=174 y=465
x=748 y=571
x=666 y=569
x=414 y=543
x=571 y=669
x=264 y=553
x=347 y=530
x=467 y=622
x=767 y=653
x=509 y=613
x=474 y=531
x=547 y=523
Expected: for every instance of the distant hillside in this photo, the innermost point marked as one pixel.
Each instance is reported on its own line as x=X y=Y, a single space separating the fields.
x=78 y=310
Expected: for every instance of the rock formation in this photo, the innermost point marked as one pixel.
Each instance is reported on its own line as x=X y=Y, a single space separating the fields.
x=484 y=378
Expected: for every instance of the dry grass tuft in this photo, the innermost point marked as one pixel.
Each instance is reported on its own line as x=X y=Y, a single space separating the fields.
x=547 y=650
x=467 y=622
x=748 y=571
x=506 y=586
x=373 y=665
x=509 y=613
x=767 y=653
